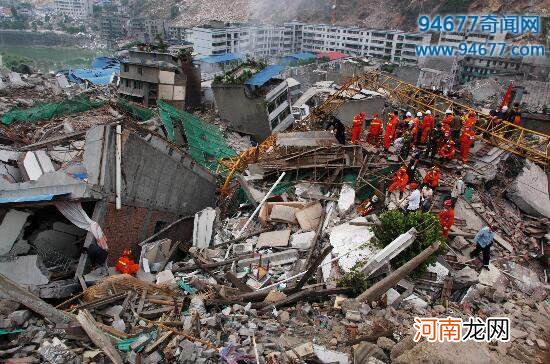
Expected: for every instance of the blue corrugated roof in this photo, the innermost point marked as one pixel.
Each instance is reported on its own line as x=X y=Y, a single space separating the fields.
x=32 y=198
x=260 y=78
x=228 y=57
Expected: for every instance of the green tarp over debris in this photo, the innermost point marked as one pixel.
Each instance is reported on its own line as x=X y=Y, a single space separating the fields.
x=206 y=143
x=50 y=111
x=138 y=112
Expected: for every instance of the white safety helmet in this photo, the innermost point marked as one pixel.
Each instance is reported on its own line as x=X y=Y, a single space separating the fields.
x=408 y=113
x=428 y=112
x=505 y=108
x=419 y=114
x=448 y=111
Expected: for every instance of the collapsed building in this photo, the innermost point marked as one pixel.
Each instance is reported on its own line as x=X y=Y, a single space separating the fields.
x=285 y=266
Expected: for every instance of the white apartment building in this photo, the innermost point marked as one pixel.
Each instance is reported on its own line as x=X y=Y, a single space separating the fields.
x=391 y=45
x=211 y=41
x=255 y=40
x=77 y=9
x=278 y=40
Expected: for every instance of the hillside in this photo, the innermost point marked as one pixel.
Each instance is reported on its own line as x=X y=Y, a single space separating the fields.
x=368 y=13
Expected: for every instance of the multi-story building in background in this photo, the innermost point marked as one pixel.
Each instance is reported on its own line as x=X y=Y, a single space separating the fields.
x=391 y=45
x=215 y=39
x=112 y=26
x=78 y=9
x=147 y=30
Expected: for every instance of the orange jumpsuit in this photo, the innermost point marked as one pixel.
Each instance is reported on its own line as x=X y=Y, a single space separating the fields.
x=356 y=129
x=399 y=180
x=375 y=130
x=447 y=219
x=432 y=178
x=414 y=129
x=389 y=133
x=447 y=120
x=470 y=121
x=427 y=126
x=447 y=151
x=466 y=140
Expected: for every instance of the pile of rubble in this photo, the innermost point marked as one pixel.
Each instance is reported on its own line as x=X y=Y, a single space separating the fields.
x=284 y=267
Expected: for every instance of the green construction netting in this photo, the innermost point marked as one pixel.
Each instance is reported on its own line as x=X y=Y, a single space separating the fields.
x=50 y=111
x=206 y=143
x=136 y=111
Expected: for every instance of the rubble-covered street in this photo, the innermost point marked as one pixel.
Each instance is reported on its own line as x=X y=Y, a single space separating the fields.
x=126 y=236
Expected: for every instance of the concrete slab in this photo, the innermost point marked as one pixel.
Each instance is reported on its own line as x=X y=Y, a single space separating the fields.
x=11 y=228
x=348 y=238
x=530 y=191
x=346 y=199
x=31 y=166
x=273 y=239
x=489 y=277
x=309 y=217
x=204 y=227
x=45 y=161
x=25 y=270
x=302 y=240
x=282 y=213
x=393 y=249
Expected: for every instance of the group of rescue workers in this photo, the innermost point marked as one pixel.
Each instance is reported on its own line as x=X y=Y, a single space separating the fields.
x=441 y=138
x=453 y=134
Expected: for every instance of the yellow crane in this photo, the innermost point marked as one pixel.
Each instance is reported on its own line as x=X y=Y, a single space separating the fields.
x=512 y=138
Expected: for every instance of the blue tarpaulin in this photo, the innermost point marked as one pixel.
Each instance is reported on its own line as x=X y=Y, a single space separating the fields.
x=32 y=198
x=101 y=73
x=261 y=78
x=228 y=57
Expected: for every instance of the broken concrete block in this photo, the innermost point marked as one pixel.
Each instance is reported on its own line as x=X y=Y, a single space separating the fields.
x=327 y=356
x=275 y=259
x=45 y=162
x=265 y=211
x=11 y=228
x=48 y=240
x=274 y=296
x=310 y=216
x=529 y=191
x=346 y=199
x=302 y=240
x=273 y=239
x=204 y=227
x=282 y=213
x=154 y=255
x=166 y=277
x=19 y=317
x=243 y=248
x=300 y=351
x=25 y=270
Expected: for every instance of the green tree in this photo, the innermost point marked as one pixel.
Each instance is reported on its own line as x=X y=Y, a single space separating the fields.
x=396 y=222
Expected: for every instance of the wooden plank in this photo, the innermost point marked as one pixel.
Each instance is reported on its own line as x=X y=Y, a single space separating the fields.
x=16 y=293
x=98 y=337
x=243 y=287
x=159 y=341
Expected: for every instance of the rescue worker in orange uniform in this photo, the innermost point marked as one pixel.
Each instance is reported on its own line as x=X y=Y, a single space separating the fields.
x=375 y=129
x=399 y=181
x=432 y=177
x=427 y=126
x=466 y=141
x=447 y=151
x=356 y=129
x=126 y=264
x=447 y=120
x=470 y=120
x=447 y=218
x=389 y=133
